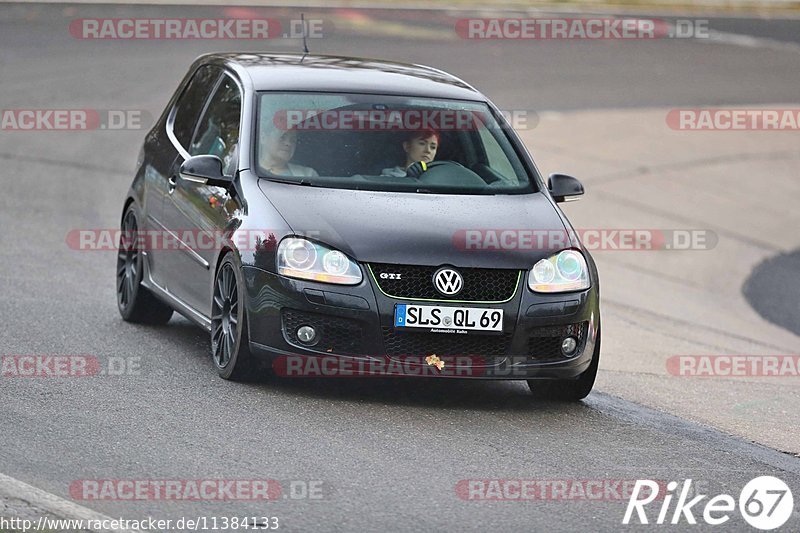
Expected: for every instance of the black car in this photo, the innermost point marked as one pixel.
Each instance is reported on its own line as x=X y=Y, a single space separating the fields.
x=363 y=215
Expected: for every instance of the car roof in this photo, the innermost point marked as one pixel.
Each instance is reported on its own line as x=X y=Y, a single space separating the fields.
x=298 y=72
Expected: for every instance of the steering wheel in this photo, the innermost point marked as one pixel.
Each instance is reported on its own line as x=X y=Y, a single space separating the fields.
x=415 y=170
x=445 y=173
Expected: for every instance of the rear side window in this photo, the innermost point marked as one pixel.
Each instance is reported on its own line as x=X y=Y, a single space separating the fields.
x=190 y=104
x=218 y=130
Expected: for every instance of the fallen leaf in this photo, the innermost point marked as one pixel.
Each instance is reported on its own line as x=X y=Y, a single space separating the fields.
x=433 y=360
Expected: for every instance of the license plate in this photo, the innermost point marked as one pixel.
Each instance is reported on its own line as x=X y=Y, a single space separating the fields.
x=442 y=319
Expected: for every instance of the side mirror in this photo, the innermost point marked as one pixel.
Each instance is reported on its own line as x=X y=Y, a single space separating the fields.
x=564 y=188
x=205 y=169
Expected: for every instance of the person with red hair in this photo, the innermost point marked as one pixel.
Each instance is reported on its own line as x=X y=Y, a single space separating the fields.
x=418 y=146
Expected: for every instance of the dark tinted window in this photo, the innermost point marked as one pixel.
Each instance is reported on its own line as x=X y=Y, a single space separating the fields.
x=218 y=130
x=190 y=103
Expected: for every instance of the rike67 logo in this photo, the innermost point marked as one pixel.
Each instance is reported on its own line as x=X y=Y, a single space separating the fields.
x=765 y=503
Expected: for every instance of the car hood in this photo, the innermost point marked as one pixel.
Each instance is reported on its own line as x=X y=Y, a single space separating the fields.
x=488 y=231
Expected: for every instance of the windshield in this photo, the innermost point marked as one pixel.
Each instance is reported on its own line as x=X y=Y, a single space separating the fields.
x=386 y=143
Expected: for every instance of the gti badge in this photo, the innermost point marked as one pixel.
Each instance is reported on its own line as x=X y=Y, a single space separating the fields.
x=448 y=281
x=387 y=275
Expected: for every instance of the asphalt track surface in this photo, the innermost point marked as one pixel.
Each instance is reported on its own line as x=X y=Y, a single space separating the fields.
x=389 y=453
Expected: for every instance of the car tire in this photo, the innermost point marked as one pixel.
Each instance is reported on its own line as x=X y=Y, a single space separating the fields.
x=569 y=390
x=135 y=303
x=230 y=340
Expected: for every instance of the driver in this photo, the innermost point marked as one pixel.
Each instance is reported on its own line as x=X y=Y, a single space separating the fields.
x=418 y=146
x=276 y=149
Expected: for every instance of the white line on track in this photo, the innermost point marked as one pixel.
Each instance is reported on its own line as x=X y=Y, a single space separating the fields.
x=52 y=504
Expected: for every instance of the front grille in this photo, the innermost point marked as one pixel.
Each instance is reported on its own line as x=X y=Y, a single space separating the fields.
x=452 y=344
x=545 y=343
x=335 y=335
x=416 y=282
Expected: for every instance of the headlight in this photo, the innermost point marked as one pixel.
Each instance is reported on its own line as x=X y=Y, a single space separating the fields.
x=301 y=258
x=565 y=271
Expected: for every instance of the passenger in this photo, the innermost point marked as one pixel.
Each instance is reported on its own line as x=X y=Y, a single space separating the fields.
x=418 y=146
x=275 y=151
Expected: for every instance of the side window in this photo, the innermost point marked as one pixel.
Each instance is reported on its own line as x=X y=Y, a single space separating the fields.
x=190 y=103
x=218 y=130
x=497 y=159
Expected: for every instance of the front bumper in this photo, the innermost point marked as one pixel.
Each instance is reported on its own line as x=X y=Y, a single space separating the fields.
x=357 y=337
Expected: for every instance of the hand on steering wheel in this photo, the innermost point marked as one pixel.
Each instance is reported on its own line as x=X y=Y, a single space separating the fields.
x=415 y=170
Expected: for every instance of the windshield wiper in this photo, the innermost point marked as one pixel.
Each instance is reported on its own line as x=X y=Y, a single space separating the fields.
x=289 y=181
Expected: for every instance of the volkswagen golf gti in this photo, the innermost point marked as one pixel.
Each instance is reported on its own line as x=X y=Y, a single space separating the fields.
x=366 y=216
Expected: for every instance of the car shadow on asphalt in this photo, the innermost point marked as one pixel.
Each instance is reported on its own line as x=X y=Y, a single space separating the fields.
x=433 y=393
x=411 y=391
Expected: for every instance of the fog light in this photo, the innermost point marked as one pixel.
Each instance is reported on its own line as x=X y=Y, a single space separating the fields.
x=306 y=334
x=569 y=345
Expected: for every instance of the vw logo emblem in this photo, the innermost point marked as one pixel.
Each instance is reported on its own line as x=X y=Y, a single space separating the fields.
x=448 y=281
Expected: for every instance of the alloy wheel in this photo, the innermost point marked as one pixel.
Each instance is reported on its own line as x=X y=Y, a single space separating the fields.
x=224 y=316
x=128 y=261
